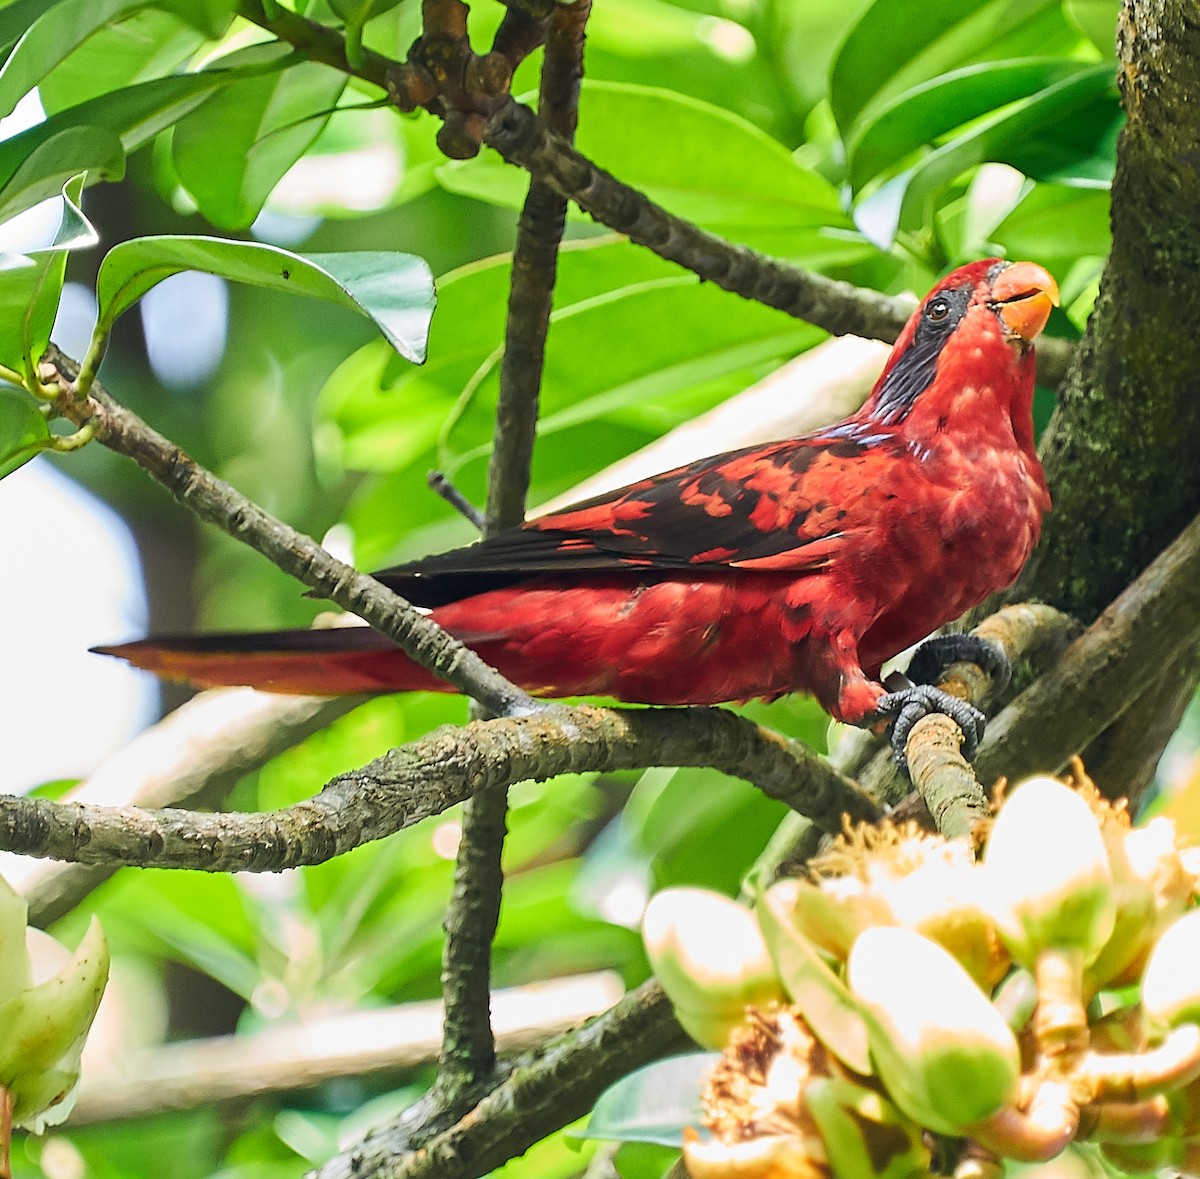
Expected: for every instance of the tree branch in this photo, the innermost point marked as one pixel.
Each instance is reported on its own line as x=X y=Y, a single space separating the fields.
x=415 y=781
x=191 y=758
x=1107 y=668
x=540 y=1093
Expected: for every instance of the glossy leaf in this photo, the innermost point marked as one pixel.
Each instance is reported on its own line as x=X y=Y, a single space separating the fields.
x=148 y=43
x=23 y=430
x=357 y=12
x=654 y=1103
x=29 y=294
x=51 y=38
x=210 y=17
x=822 y=998
x=93 y=136
x=53 y=161
x=393 y=290
x=688 y=168
x=1057 y=225
x=930 y=110
x=1009 y=136
x=233 y=150
x=897 y=45
x=1096 y=20
x=17 y=17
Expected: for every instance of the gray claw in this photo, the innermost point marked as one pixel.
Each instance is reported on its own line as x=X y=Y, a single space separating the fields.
x=934 y=655
x=909 y=705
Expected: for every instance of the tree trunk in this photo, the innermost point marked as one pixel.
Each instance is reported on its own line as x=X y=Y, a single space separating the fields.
x=1122 y=450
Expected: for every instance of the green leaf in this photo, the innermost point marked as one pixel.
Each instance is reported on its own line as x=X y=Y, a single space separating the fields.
x=16 y=18
x=919 y=116
x=1096 y=20
x=51 y=38
x=146 y=44
x=29 y=294
x=232 y=151
x=675 y=816
x=822 y=998
x=23 y=430
x=393 y=290
x=31 y=285
x=678 y=150
x=645 y=1160
x=210 y=17
x=653 y=1104
x=1009 y=136
x=1057 y=225
x=357 y=12
x=52 y=162
x=93 y=137
x=897 y=45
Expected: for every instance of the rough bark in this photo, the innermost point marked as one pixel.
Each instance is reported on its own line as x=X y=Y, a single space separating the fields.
x=1121 y=450
x=1120 y=453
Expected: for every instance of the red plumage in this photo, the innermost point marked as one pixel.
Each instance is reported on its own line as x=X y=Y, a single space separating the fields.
x=799 y=565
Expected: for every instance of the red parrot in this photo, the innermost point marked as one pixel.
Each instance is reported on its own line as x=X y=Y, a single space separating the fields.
x=800 y=565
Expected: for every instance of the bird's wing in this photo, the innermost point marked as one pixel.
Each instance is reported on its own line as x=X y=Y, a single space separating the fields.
x=778 y=506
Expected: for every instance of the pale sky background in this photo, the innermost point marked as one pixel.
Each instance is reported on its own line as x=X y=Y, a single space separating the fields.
x=70 y=579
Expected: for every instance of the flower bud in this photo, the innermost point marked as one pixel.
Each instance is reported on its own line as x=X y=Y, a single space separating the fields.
x=1151 y=890
x=902 y=876
x=14 y=959
x=42 y=1031
x=771 y=1156
x=1171 y=982
x=710 y=957
x=1048 y=878
x=943 y=1052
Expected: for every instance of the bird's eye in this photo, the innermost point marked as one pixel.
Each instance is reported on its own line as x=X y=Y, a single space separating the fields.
x=937 y=311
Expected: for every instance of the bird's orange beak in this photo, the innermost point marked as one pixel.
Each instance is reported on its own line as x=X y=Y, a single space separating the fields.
x=1022 y=295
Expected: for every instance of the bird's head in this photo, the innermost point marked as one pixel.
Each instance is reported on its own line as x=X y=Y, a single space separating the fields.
x=968 y=343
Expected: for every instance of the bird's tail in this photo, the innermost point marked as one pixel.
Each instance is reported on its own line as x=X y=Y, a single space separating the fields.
x=340 y=661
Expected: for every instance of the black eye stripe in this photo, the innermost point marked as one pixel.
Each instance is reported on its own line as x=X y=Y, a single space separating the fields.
x=916 y=368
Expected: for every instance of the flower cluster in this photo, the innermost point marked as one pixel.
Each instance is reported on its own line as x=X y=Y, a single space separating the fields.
x=912 y=999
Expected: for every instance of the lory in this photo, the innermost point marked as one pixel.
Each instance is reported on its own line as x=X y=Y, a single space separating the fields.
x=793 y=566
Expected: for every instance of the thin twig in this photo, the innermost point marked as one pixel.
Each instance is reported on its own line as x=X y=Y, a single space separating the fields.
x=439 y=484
x=468 y=1053
x=218 y=503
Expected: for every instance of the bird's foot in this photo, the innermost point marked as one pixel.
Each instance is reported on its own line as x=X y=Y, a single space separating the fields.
x=934 y=655
x=908 y=705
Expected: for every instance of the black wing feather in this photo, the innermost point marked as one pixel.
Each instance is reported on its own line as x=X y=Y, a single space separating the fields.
x=661 y=524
